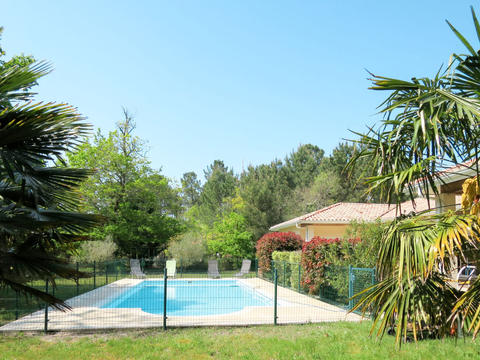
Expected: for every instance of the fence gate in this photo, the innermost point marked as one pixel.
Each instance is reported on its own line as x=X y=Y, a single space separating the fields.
x=358 y=280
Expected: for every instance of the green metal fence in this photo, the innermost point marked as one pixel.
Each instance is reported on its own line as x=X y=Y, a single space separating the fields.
x=14 y=305
x=289 y=274
x=284 y=295
x=98 y=274
x=359 y=280
x=338 y=286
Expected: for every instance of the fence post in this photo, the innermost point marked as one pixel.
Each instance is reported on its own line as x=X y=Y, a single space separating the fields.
x=94 y=275
x=116 y=270
x=275 y=280
x=165 y=298
x=299 y=275
x=351 y=278
x=284 y=274
x=16 y=305
x=78 y=281
x=256 y=267
x=106 y=273
x=181 y=268
x=45 y=322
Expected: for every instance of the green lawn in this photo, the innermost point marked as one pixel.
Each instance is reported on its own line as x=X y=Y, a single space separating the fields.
x=313 y=341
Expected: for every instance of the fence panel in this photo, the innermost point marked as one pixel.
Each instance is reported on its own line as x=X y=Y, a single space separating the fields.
x=109 y=296
x=359 y=280
x=334 y=289
x=295 y=305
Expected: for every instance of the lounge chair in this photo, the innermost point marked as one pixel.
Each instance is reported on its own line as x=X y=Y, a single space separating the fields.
x=171 y=266
x=135 y=269
x=245 y=269
x=213 y=269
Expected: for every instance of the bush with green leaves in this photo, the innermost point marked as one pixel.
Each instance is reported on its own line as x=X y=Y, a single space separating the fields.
x=325 y=261
x=280 y=259
x=295 y=259
x=287 y=264
x=230 y=237
x=315 y=262
x=361 y=253
x=98 y=251
x=189 y=248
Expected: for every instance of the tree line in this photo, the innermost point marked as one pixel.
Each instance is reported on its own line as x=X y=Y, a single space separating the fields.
x=223 y=214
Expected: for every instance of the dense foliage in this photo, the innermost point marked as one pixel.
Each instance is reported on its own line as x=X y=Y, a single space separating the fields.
x=315 y=261
x=146 y=211
x=289 y=264
x=325 y=261
x=230 y=237
x=275 y=241
x=190 y=248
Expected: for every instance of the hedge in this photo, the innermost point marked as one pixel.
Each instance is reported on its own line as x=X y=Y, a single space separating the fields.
x=276 y=241
x=295 y=260
x=287 y=262
x=314 y=262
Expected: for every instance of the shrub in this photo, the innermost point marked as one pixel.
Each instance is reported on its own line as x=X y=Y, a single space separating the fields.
x=295 y=260
x=325 y=261
x=281 y=256
x=189 y=248
x=314 y=262
x=282 y=263
x=292 y=261
x=99 y=251
x=276 y=241
x=362 y=253
x=230 y=237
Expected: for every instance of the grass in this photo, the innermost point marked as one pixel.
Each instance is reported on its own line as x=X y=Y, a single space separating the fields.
x=313 y=341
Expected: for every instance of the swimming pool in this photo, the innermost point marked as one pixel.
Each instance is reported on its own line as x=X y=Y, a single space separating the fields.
x=190 y=297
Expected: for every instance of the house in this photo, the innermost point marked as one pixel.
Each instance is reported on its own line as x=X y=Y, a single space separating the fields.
x=449 y=184
x=333 y=220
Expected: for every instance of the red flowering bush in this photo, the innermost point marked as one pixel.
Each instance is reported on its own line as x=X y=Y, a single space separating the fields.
x=276 y=241
x=317 y=255
x=314 y=262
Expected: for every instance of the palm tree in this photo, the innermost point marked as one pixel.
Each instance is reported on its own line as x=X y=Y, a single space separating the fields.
x=39 y=222
x=429 y=124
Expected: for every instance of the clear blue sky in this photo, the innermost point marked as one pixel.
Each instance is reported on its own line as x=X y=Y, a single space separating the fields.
x=241 y=81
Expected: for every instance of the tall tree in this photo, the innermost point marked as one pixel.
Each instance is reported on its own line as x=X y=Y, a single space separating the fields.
x=304 y=165
x=191 y=189
x=351 y=181
x=140 y=204
x=218 y=188
x=147 y=217
x=264 y=189
x=325 y=190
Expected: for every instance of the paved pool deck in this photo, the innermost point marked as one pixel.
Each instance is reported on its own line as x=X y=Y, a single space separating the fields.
x=87 y=314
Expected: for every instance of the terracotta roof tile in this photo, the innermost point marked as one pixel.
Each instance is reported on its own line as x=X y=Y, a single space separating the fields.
x=342 y=213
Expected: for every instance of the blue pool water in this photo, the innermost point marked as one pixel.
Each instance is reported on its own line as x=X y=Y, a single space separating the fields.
x=190 y=297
